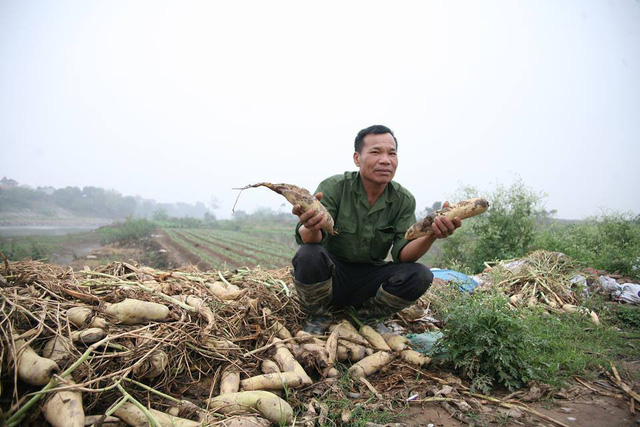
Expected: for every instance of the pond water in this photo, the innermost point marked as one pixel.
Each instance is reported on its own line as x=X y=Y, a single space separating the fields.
x=42 y=230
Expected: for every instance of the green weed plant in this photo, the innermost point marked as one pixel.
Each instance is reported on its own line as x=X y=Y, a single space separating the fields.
x=488 y=342
x=18 y=249
x=129 y=232
x=493 y=344
x=608 y=242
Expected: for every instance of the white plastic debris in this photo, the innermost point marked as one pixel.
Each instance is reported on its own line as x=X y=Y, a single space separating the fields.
x=580 y=282
x=479 y=279
x=513 y=265
x=629 y=293
x=626 y=292
x=609 y=284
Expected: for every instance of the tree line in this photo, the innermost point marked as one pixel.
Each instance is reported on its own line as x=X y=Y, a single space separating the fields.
x=88 y=202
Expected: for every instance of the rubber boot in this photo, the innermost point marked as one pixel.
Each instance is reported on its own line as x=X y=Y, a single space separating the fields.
x=382 y=304
x=315 y=301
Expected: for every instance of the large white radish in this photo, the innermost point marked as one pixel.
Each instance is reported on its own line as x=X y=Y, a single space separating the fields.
x=463 y=210
x=267 y=404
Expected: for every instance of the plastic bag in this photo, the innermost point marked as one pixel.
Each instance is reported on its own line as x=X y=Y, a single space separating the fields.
x=609 y=284
x=425 y=341
x=629 y=293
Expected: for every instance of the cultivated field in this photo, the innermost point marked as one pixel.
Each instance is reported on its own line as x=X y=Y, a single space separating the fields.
x=268 y=247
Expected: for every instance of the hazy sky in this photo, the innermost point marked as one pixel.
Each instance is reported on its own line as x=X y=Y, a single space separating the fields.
x=183 y=100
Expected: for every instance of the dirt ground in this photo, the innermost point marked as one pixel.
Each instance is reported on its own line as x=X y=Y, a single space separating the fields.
x=101 y=255
x=583 y=408
x=91 y=253
x=588 y=411
x=175 y=255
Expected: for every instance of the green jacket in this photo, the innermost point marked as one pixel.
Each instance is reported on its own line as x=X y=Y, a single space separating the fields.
x=365 y=233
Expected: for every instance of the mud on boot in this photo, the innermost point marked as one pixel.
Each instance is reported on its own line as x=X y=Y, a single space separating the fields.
x=317 y=324
x=315 y=299
x=381 y=305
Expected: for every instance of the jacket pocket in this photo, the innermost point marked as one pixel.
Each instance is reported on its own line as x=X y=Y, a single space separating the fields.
x=344 y=245
x=383 y=240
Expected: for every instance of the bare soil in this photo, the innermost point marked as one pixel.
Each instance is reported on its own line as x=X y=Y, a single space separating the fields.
x=176 y=255
x=588 y=411
x=105 y=254
x=581 y=407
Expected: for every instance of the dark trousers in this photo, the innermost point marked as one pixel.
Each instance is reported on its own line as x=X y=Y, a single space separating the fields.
x=354 y=283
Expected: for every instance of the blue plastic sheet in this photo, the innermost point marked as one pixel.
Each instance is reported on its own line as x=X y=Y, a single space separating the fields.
x=425 y=341
x=464 y=282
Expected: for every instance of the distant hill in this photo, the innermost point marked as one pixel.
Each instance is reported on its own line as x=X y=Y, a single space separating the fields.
x=21 y=204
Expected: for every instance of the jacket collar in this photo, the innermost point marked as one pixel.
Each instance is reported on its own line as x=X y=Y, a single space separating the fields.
x=389 y=195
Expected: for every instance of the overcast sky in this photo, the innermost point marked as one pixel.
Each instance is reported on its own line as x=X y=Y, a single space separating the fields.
x=181 y=101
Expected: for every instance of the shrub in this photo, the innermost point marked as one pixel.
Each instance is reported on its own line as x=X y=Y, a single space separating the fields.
x=131 y=231
x=608 y=242
x=16 y=250
x=505 y=231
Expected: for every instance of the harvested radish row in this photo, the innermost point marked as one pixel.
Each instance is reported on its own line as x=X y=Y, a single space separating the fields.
x=191 y=411
x=133 y=311
x=356 y=352
x=230 y=380
x=462 y=210
x=278 y=328
x=320 y=354
x=396 y=342
x=348 y=332
x=84 y=317
x=332 y=346
x=288 y=363
x=153 y=366
x=374 y=338
x=277 y=381
x=111 y=421
x=342 y=354
x=269 y=367
x=88 y=336
x=305 y=358
x=299 y=196
x=246 y=421
x=414 y=357
x=64 y=408
x=267 y=404
x=33 y=369
x=225 y=292
x=370 y=364
x=222 y=346
x=203 y=310
x=133 y=416
x=58 y=349
x=305 y=337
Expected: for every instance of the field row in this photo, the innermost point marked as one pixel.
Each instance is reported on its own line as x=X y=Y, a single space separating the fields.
x=234 y=249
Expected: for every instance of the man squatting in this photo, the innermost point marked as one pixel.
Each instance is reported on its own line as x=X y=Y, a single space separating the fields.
x=371 y=214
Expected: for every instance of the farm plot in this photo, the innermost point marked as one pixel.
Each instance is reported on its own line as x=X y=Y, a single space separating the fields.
x=233 y=249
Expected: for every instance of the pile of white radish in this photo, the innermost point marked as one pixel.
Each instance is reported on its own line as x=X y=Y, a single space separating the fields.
x=132 y=335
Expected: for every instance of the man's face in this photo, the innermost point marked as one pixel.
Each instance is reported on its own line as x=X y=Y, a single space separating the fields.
x=378 y=159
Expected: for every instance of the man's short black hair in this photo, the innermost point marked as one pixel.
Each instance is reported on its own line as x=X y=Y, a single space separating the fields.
x=376 y=130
